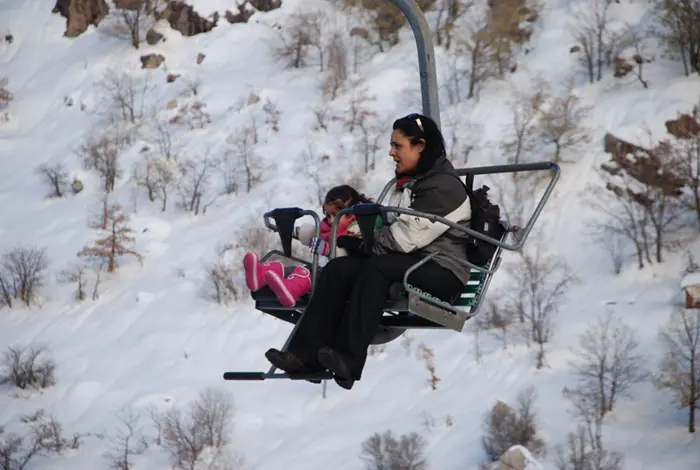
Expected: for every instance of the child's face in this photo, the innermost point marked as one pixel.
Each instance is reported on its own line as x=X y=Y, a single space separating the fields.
x=332 y=208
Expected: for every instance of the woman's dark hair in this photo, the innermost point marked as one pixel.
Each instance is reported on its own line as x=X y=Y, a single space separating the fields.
x=416 y=127
x=344 y=196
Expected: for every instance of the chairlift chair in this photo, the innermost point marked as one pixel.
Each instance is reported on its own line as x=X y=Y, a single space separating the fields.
x=407 y=306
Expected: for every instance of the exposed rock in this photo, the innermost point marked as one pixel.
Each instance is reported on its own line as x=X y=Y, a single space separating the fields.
x=172 y=104
x=200 y=58
x=574 y=49
x=153 y=37
x=622 y=68
x=183 y=18
x=242 y=16
x=359 y=32
x=9 y=38
x=151 y=61
x=80 y=14
x=265 y=5
x=618 y=147
x=518 y=458
x=684 y=127
x=171 y=77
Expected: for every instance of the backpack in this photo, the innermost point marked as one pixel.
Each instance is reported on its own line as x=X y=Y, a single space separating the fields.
x=485 y=219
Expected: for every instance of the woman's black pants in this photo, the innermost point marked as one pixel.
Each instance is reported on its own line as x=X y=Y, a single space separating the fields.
x=347 y=305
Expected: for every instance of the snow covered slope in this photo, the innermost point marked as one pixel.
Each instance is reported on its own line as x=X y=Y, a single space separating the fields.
x=151 y=339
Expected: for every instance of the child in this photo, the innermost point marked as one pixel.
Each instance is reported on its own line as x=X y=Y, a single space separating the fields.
x=298 y=283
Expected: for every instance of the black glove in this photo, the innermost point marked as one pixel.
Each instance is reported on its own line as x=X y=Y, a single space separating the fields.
x=353 y=245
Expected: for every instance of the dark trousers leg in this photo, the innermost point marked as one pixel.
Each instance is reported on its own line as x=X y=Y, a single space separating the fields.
x=365 y=308
x=322 y=316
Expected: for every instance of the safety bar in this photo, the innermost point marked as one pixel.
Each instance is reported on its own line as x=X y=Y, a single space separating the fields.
x=285 y=215
x=523 y=232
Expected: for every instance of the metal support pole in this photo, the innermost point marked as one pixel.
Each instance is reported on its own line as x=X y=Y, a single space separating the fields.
x=426 y=57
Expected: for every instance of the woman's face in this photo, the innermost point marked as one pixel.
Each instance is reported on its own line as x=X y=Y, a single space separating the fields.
x=404 y=153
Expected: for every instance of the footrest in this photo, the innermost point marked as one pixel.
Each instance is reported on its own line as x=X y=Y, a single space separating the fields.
x=249 y=376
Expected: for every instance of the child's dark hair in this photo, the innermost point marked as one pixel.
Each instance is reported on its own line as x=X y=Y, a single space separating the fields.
x=347 y=194
x=418 y=127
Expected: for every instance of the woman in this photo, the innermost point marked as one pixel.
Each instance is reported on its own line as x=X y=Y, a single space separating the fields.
x=346 y=307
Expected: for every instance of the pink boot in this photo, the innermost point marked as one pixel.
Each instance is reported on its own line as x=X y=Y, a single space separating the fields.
x=255 y=271
x=288 y=291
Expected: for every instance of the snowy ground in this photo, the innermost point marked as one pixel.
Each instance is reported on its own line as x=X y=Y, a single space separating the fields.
x=152 y=339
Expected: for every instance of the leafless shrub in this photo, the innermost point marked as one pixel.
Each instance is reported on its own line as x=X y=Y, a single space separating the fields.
x=127 y=442
x=194 y=182
x=155 y=174
x=272 y=114
x=22 y=274
x=192 y=115
x=497 y=317
x=75 y=274
x=449 y=13
x=221 y=275
x=607 y=363
x=677 y=27
x=44 y=437
x=100 y=152
x=303 y=32
x=337 y=72
x=5 y=95
x=358 y=103
x=311 y=165
x=242 y=145
x=521 y=134
x=204 y=425
x=126 y=96
x=386 y=452
x=505 y=427
x=581 y=454
x=561 y=124
x=614 y=246
x=678 y=370
x=164 y=139
x=28 y=367
x=592 y=33
x=55 y=176
x=541 y=281
x=471 y=58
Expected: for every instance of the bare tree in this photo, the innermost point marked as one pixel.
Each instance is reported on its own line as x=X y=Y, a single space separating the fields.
x=449 y=13
x=542 y=280
x=127 y=442
x=358 y=103
x=55 y=176
x=100 y=152
x=505 y=427
x=562 y=125
x=114 y=240
x=592 y=34
x=22 y=274
x=647 y=178
x=521 y=133
x=164 y=138
x=581 y=453
x=131 y=18
x=337 y=71
x=309 y=165
x=75 y=274
x=385 y=452
x=677 y=22
x=205 y=424
x=243 y=145
x=303 y=31
x=371 y=130
x=475 y=46
x=679 y=371
x=607 y=362
x=612 y=241
x=30 y=367
x=194 y=182
x=126 y=95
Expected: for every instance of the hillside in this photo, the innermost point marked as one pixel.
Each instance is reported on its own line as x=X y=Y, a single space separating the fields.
x=152 y=338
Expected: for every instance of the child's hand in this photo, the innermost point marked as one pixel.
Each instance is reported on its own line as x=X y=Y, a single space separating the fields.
x=319 y=246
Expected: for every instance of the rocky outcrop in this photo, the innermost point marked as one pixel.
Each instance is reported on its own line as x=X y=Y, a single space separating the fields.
x=80 y=14
x=620 y=148
x=684 y=127
x=183 y=18
x=518 y=458
x=151 y=61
